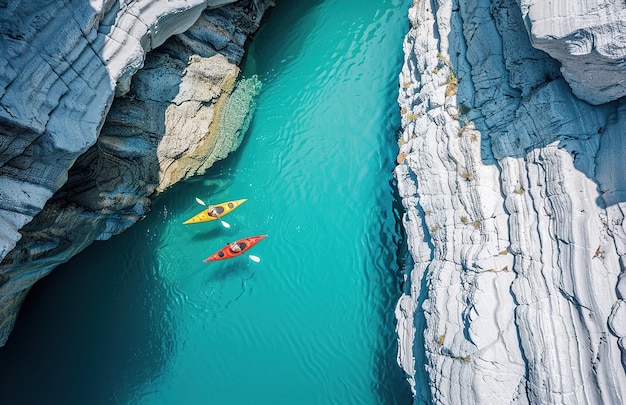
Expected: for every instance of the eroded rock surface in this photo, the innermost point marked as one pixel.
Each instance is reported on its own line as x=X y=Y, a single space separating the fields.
x=514 y=196
x=78 y=164
x=588 y=37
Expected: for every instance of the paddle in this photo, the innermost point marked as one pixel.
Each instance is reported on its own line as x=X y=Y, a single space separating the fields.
x=254 y=258
x=224 y=223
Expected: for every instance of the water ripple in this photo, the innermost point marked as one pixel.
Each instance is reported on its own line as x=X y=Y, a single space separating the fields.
x=313 y=321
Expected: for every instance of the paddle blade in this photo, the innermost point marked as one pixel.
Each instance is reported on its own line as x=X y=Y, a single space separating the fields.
x=254 y=258
x=199 y=201
x=225 y=224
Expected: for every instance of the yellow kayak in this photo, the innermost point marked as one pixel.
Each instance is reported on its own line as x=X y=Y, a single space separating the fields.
x=222 y=209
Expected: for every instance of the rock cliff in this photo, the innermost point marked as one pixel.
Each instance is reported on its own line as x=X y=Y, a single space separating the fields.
x=102 y=105
x=511 y=169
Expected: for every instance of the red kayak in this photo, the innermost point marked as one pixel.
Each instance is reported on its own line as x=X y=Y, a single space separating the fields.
x=227 y=251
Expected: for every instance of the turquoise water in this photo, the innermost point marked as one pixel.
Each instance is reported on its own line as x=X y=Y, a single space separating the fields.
x=141 y=319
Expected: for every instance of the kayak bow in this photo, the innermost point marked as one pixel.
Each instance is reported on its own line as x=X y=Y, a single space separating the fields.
x=227 y=253
x=222 y=209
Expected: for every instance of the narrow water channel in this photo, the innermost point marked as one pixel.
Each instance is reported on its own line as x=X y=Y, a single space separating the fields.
x=141 y=319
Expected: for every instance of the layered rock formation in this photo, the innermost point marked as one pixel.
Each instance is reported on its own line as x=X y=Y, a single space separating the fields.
x=588 y=38
x=102 y=104
x=514 y=195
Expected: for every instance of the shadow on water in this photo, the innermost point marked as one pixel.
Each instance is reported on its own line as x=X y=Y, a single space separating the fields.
x=92 y=331
x=211 y=234
x=394 y=388
x=296 y=32
x=231 y=271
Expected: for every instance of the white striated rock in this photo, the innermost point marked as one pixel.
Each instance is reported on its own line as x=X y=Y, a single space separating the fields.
x=513 y=191
x=61 y=65
x=62 y=62
x=588 y=37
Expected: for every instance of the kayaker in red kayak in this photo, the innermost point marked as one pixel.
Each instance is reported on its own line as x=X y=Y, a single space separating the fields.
x=236 y=247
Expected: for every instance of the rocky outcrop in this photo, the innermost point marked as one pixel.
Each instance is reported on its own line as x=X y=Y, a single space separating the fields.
x=587 y=37
x=514 y=196
x=102 y=105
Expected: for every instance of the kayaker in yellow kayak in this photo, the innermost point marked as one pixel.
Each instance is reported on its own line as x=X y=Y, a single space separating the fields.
x=212 y=211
